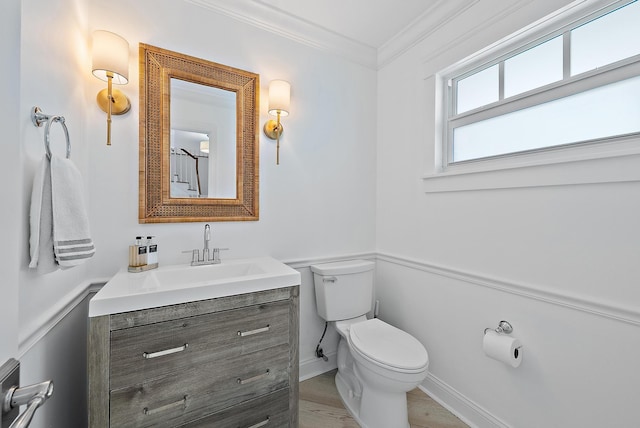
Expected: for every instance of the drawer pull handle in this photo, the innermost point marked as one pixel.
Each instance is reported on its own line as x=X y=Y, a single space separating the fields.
x=252 y=332
x=181 y=403
x=260 y=424
x=252 y=379
x=149 y=355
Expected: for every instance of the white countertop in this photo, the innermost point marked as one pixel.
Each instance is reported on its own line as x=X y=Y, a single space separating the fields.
x=175 y=284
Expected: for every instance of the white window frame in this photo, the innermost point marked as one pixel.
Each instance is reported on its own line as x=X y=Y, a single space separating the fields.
x=486 y=173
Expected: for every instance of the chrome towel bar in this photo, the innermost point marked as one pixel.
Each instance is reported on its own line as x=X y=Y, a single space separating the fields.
x=12 y=396
x=38 y=118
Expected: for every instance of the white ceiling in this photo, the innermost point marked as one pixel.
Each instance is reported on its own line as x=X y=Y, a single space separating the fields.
x=370 y=22
x=369 y=32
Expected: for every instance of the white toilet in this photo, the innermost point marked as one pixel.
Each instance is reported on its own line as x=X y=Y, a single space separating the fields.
x=377 y=363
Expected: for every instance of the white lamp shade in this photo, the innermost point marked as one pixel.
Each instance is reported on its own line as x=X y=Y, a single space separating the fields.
x=110 y=54
x=204 y=146
x=279 y=97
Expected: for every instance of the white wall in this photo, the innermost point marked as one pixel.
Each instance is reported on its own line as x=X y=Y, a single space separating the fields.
x=10 y=175
x=319 y=201
x=318 y=204
x=60 y=356
x=54 y=57
x=554 y=261
x=557 y=262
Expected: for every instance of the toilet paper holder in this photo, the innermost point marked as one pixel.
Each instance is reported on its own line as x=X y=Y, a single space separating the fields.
x=503 y=327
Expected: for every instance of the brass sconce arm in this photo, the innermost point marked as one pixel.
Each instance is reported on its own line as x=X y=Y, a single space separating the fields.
x=110 y=60
x=279 y=97
x=273 y=129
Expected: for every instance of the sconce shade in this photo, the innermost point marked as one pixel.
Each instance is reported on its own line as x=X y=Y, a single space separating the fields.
x=204 y=146
x=279 y=97
x=110 y=54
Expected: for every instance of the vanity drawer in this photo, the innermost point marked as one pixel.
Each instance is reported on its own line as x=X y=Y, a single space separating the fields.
x=152 y=351
x=269 y=411
x=200 y=391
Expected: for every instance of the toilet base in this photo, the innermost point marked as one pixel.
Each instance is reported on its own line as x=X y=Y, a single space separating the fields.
x=350 y=401
x=353 y=403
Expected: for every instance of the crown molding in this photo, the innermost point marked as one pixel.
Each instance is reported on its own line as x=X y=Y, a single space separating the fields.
x=284 y=24
x=280 y=22
x=472 y=31
x=434 y=18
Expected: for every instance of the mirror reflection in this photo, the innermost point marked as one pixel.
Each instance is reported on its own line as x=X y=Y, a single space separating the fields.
x=203 y=141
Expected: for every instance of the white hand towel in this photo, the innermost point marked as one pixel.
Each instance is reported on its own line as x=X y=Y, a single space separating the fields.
x=41 y=221
x=72 y=243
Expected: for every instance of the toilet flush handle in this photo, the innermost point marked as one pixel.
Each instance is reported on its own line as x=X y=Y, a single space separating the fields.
x=330 y=279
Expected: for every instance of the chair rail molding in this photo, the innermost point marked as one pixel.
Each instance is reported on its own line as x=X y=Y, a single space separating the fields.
x=40 y=326
x=612 y=311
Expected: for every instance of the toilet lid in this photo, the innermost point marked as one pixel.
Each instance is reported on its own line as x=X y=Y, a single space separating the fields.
x=388 y=345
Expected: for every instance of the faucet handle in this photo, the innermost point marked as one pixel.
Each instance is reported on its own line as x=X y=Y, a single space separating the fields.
x=216 y=253
x=195 y=255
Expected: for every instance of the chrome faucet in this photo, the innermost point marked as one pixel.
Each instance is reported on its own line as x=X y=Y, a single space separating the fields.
x=209 y=256
x=207 y=238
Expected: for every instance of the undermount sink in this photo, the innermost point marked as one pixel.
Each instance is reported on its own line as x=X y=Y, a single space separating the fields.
x=174 y=284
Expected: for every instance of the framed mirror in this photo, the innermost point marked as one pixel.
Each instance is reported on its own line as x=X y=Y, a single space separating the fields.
x=198 y=139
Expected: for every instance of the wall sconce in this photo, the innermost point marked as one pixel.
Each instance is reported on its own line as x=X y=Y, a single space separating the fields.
x=204 y=146
x=110 y=62
x=279 y=97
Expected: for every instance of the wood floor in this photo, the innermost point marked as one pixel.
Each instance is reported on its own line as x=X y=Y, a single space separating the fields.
x=321 y=407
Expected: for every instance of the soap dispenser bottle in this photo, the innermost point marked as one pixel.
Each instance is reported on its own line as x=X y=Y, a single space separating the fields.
x=143 y=256
x=137 y=255
x=142 y=252
x=152 y=252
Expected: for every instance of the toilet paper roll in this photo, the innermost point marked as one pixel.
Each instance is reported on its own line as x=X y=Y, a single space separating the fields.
x=502 y=348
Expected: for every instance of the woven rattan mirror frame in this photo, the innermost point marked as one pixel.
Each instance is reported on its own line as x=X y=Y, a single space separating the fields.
x=157 y=67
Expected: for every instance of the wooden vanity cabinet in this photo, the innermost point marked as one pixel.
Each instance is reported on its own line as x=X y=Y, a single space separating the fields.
x=224 y=362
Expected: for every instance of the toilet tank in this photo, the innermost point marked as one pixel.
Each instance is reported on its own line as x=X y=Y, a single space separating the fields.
x=344 y=290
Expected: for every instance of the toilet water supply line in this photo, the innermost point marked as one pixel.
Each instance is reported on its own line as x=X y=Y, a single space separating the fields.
x=319 y=352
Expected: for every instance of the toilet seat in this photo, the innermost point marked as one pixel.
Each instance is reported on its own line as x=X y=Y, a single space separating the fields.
x=388 y=346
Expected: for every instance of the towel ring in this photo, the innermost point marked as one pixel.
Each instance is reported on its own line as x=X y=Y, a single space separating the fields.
x=38 y=118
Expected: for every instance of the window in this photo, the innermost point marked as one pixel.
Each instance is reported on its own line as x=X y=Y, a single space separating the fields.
x=578 y=84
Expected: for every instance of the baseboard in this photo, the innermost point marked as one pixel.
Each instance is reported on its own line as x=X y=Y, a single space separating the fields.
x=316 y=366
x=466 y=410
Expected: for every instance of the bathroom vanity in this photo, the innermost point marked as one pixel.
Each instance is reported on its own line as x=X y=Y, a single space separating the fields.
x=196 y=347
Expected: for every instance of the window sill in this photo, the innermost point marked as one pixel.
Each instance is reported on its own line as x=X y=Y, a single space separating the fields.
x=614 y=162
